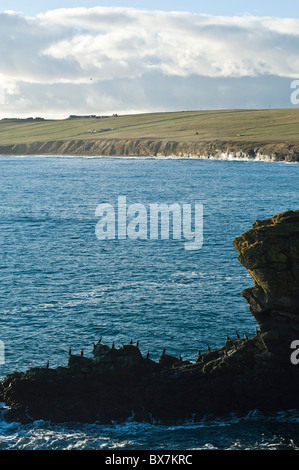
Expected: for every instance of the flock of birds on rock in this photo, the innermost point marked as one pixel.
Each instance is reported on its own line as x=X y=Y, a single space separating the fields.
x=164 y=350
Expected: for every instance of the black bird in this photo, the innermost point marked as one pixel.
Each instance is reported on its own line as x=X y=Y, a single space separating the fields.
x=180 y=358
x=131 y=341
x=164 y=350
x=245 y=336
x=82 y=353
x=227 y=338
x=147 y=355
x=238 y=336
x=137 y=344
x=198 y=353
x=100 y=340
x=209 y=349
x=47 y=366
x=113 y=345
x=70 y=351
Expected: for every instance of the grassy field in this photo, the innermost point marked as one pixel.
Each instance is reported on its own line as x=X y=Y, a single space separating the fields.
x=277 y=125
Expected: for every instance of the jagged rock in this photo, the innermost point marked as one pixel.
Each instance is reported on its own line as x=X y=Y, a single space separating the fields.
x=209 y=356
x=100 y=350
x=270 y=253
x=79 y=363
x=168 y=361
x=245 y=374
x=127 y=359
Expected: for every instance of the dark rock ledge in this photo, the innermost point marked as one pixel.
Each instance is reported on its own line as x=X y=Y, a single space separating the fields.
x=245 y=374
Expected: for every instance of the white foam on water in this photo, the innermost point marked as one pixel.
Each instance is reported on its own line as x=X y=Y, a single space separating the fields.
x=43 y=435
x=221 y=156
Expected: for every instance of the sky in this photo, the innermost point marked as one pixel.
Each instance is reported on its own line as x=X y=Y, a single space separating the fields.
x=274 y=8
x=101 y=57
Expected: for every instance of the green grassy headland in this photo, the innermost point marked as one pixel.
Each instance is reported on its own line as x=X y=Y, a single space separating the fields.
x=238 y=128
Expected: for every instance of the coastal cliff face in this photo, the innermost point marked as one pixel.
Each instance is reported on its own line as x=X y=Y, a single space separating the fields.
x=245 y=374
x=158 y=148
x=270 y=253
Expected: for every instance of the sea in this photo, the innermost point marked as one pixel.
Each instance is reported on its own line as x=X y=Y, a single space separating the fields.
x=63 y=287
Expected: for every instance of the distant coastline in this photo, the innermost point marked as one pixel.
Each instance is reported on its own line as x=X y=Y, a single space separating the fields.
x=271 y=152
x=262 y=135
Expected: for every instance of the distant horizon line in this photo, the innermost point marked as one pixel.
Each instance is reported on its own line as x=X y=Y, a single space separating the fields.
x=109 y=115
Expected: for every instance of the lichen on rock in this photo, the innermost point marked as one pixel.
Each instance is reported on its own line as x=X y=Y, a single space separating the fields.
x=270 y=253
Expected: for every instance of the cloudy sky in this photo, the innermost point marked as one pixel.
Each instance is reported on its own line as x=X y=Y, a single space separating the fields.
x=102 y=57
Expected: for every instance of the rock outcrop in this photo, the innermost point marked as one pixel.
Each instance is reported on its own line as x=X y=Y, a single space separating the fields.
x=245 y=374
x=270 y=253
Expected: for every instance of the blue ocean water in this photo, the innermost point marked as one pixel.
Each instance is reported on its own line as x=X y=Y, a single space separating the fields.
x=61 y=287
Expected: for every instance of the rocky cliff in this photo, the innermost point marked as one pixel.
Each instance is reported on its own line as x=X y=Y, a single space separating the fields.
x=158 y=148
x=246 y=373
x=270 y=253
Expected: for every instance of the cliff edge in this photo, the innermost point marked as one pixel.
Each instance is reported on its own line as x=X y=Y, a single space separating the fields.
x=150 y=147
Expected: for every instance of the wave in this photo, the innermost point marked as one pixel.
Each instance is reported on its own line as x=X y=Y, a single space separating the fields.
x=255 y=430
x=218 y=157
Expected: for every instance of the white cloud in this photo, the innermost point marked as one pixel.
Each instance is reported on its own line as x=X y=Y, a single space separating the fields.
x=71 y=46
x=119 y=42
